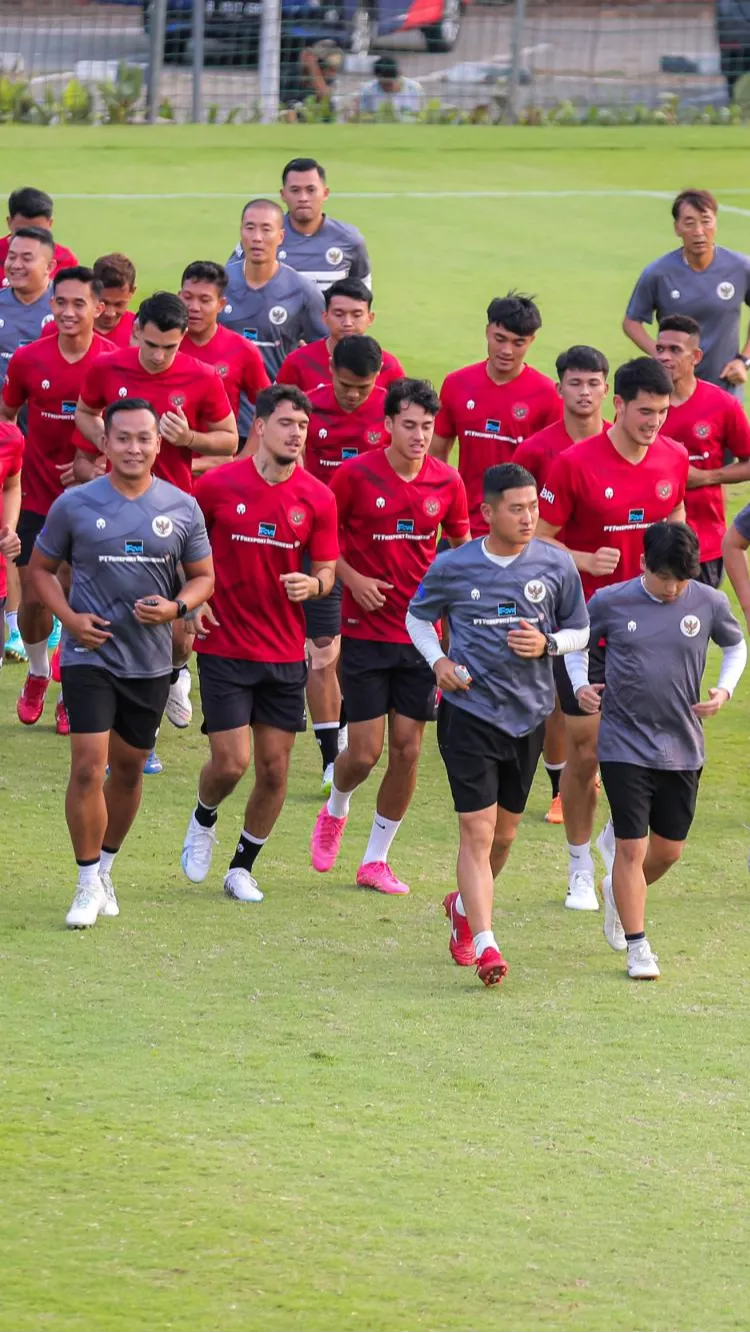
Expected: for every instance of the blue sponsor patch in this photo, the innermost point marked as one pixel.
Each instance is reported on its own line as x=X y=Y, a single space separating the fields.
x=507 y=608
x=68 y=409
x=405 y=525
x=636 y=515
x=492 y=427
x=349 y=453
x=266 y=529
x=250 y=334
x=134 y=548
x=419 y=594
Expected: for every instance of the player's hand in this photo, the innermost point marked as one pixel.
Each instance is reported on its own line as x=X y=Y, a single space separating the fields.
x=85 y=627
x=299 y=587
x=155 y=610
x=707 y=707
x=10 y=543
x=200 y=623
x=370 y=594
x=735 y=371
x=447 y=680
x=67 y=473
x=527 y=641
x=698 y=477
x=173 y=426
x=590 y=698
x=602 y=562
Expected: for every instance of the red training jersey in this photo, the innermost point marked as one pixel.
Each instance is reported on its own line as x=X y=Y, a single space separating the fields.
x=187 y=384
x=11 y=456
x=334 y=435
x=119 y=336
x=258 y=532
x=539 y=452
x=491 y=420
x=39 y=375
x=601 y=499
x=388 y=530
x=236 y=360
x=710 y=422
x=64 y=258
x=310 y=366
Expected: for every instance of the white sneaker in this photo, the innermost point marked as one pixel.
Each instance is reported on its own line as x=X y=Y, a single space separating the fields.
x=581 y=895
x=86 y=906
x=612 y=925
x=643 y=965
x=239 y=884
x=110 y=905
x=197 y=850
x=327 y=783
x=343 y=737
x=606 y=844
x=179 y=709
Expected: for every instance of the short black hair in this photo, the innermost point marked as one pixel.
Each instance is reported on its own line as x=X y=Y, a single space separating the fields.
x=264 y=203
x=517 y=313
x=582 y=357
x=78 y=273
x=303 y=164
x=129 y=405
x=29 y=203
x=641 y=374
x=672 y=548
x=268 y=400
x=702 y=200
x=386 y=67
x=115 y=270
x=680 y=324
x=359 y=354
x=40 y=234
x=408 y=392
x=205 y=270
x=165 y=310
x=505 y=477
x=354 y=288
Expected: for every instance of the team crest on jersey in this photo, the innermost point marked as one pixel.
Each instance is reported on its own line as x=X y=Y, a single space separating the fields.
x=162 y=526
x=674 y=295
x=2 y=321
x=632 y=626
x=45 y=384
x=296 y=516
x=535 y=590
x=122 y=393
x=470 y=404
x=334 y=256
x=701 y=430
x=278 y=314
x=241 y=508
x=725 y=291
x=431 y=506
x=690 y=626
x=227 y=309
x=373 y=437
x=222 y=370
x=663 y=489
x=177 y=399
x=520 y=411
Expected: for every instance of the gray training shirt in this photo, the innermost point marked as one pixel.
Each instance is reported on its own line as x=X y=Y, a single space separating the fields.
x=121 y=550
x=20 y=324
x=336 y=250
x=715 y=298
x=483 y=600
x=276 y=317
x=653 y=666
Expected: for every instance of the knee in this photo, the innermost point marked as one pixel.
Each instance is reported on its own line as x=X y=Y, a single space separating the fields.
x=231 y=770
x=86 y=774
x=405 y=755
x=502 y=842
x=271 y=775
x=669 y=853
x=323 y=653
x=583 y=758
x=631 y=852
x=128 y=775
x=364 y=755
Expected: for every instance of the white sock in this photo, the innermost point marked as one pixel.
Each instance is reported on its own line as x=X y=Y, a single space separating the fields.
x=382 y=833
x=38 y=658
x=338 y=802
x=11 y=620
x=106 y=861
x=460 y=906
x=88 y=876
x=580 y=857
x=484 y=940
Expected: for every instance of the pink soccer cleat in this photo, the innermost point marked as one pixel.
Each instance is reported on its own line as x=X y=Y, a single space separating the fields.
x=54 y=665
x=326 y=840
x=461 y=942
x=62 y=722
x=30 y=705
x=378 y=875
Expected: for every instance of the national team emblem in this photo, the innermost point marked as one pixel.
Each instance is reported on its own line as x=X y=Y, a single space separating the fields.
x=431 y=506
x=45 y=384
x=278 y=314
x=162 y=526
x=380 y=503
x=241 y=509
x=663 y=489
x=334 y=256
x=475 y=594
x=177 y=399
x=373 y=437
x=535 y=590
x=2 y=323
x=227 y=309
x=609 y=493
x=632 y=626
x=470 y=404
x=690 y=626
x=725 y=291
x=122 y=393
x=520 y=411
x=101 y=523
x=674 y=295
x=701 y=430
x=323 y=433
x=222 y=370
x=281 y=254
x=296 y=516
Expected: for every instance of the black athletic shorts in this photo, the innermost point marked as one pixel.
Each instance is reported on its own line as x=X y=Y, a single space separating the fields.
x=662 y=799
x=377 y=677
x=712 y=572
x=235 y=693
x=97 y=700
x=323 y=614
x=568 y=701
x=485 y=766
x=29 y=527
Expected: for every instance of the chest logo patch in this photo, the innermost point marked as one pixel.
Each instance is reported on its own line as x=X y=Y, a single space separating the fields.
x=278 y=314
x=725 y=291
x=227 y=309
x=134 y=548
x=405 y=525
x=701 y=430
x=380 y=502
x=349 y=452
x=177 y=399
x=334 y=256
x=162 y=526
x=373 y=437
x=101 y=523
x=475 y=594
x=2 y=321
x=322 y=433
x=122 y=393
x=609 y=494
x=507 y=608
x=431 y=506
x=470 y=404
x=266 y=529
x=45 y=384
x=636 y=515
x=520 y=411
x=663 y=489
x=690 y=626
x=632 y=626
x=241 y=508
x=492 y=426
x=222 y=370
x=296 y=516
x=675 y=295
x=281 y=254
x=536 y=591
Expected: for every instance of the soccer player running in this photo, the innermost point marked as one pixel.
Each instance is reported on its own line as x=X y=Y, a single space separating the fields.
x=116 y=273
x=512 y=603
x=651 y=748
x=348 y=312
x=598 y=499
x=124 y=535
x=496 y=404
x=11 y=457
x=391 y=504
x=263 y=514
x=25 y=301
x=347 y=421
x=28 y=207
x=711 y=424
x=582 y=384
x=46 y=377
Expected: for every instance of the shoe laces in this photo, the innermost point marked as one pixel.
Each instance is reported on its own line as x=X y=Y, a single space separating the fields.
x=581 y=879
x=86 y=894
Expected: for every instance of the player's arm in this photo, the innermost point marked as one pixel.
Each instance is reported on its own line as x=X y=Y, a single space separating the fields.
x=219 y=439
x=300 y=587
x=577 y=662
x=726 y=633
x=640 y=311
x=456 y=521
x=324 y=552
x=90 y=424
x=361 y=267
x=634 y=330
x=571 y=616
x=428 y=604
x=369 y=593
x=86 y=466
x=441 y=445
x=10 y=545
x=730 y=475
x=88 y=629
x=678 y=514
x=735 y=371
x=15 y=393
x=598 y=563
x=7 y=413
x=736 y=542
x=195 y=592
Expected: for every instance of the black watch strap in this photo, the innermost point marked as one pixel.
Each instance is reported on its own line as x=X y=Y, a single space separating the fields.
x=181 y=609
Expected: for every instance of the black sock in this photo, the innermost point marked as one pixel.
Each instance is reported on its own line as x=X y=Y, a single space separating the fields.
x=633 y=939
x=342 y=715
x=554 y=773
x=206 y=815
x=111 y=851
x=247 y=850
x=92 y=862
x=327 y=737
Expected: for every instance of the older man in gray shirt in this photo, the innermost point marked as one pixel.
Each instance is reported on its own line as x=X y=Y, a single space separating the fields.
x=511 y=603
x=657 y=630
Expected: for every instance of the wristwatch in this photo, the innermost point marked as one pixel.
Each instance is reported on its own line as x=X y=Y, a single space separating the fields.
x=552 y=648
x=745 y=360
x=181 y=609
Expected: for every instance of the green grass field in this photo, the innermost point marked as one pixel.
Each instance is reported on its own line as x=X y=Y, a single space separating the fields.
x=302 y=1115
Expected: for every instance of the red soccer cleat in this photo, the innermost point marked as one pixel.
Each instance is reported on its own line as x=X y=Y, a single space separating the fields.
x=326 y=840
x=461 y=942
x=491 y=967
x=54 y=665
x=30 y=704
x=62 y=722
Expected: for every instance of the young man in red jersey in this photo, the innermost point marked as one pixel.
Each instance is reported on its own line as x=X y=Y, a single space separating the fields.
x=11 y=456
x=712 y=425
x=28 y=207
x=116 y=273
x=264 y=515
x=496 y=404
x=348 y=312
x=582 y=384
x=598 y=499
x=347 y=421
x=391 y=504
x=47 y=375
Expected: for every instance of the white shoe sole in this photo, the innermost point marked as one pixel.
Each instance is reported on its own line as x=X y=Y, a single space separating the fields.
x=253 y=898
x=611 y=925
x=644 y=976
x=191 y=875
x=586 y=904
x=180 y=719
x=80 y=925
x=112 y=909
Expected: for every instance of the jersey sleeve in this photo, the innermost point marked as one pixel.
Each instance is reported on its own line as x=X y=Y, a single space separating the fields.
x=445 y=422
x=456 y=521
x=684 y=468
x=642 y=303
x=342 y=491
x=527 y=455
x=288 y=372
x=725 y=630
x=203 y=494
x=361 y=267
x=313 y=327
x=56 y=539
x=431 y=599
x=557 y=497
x=254 y=373
x=746 y=259
x=570 y=611
x=737 y=430
x=324 y=538
x=15 y=391
x=214 y=406
x=92 y=389
x=197 y=545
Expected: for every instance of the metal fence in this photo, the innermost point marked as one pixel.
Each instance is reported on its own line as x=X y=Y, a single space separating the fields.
x=79 y=60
